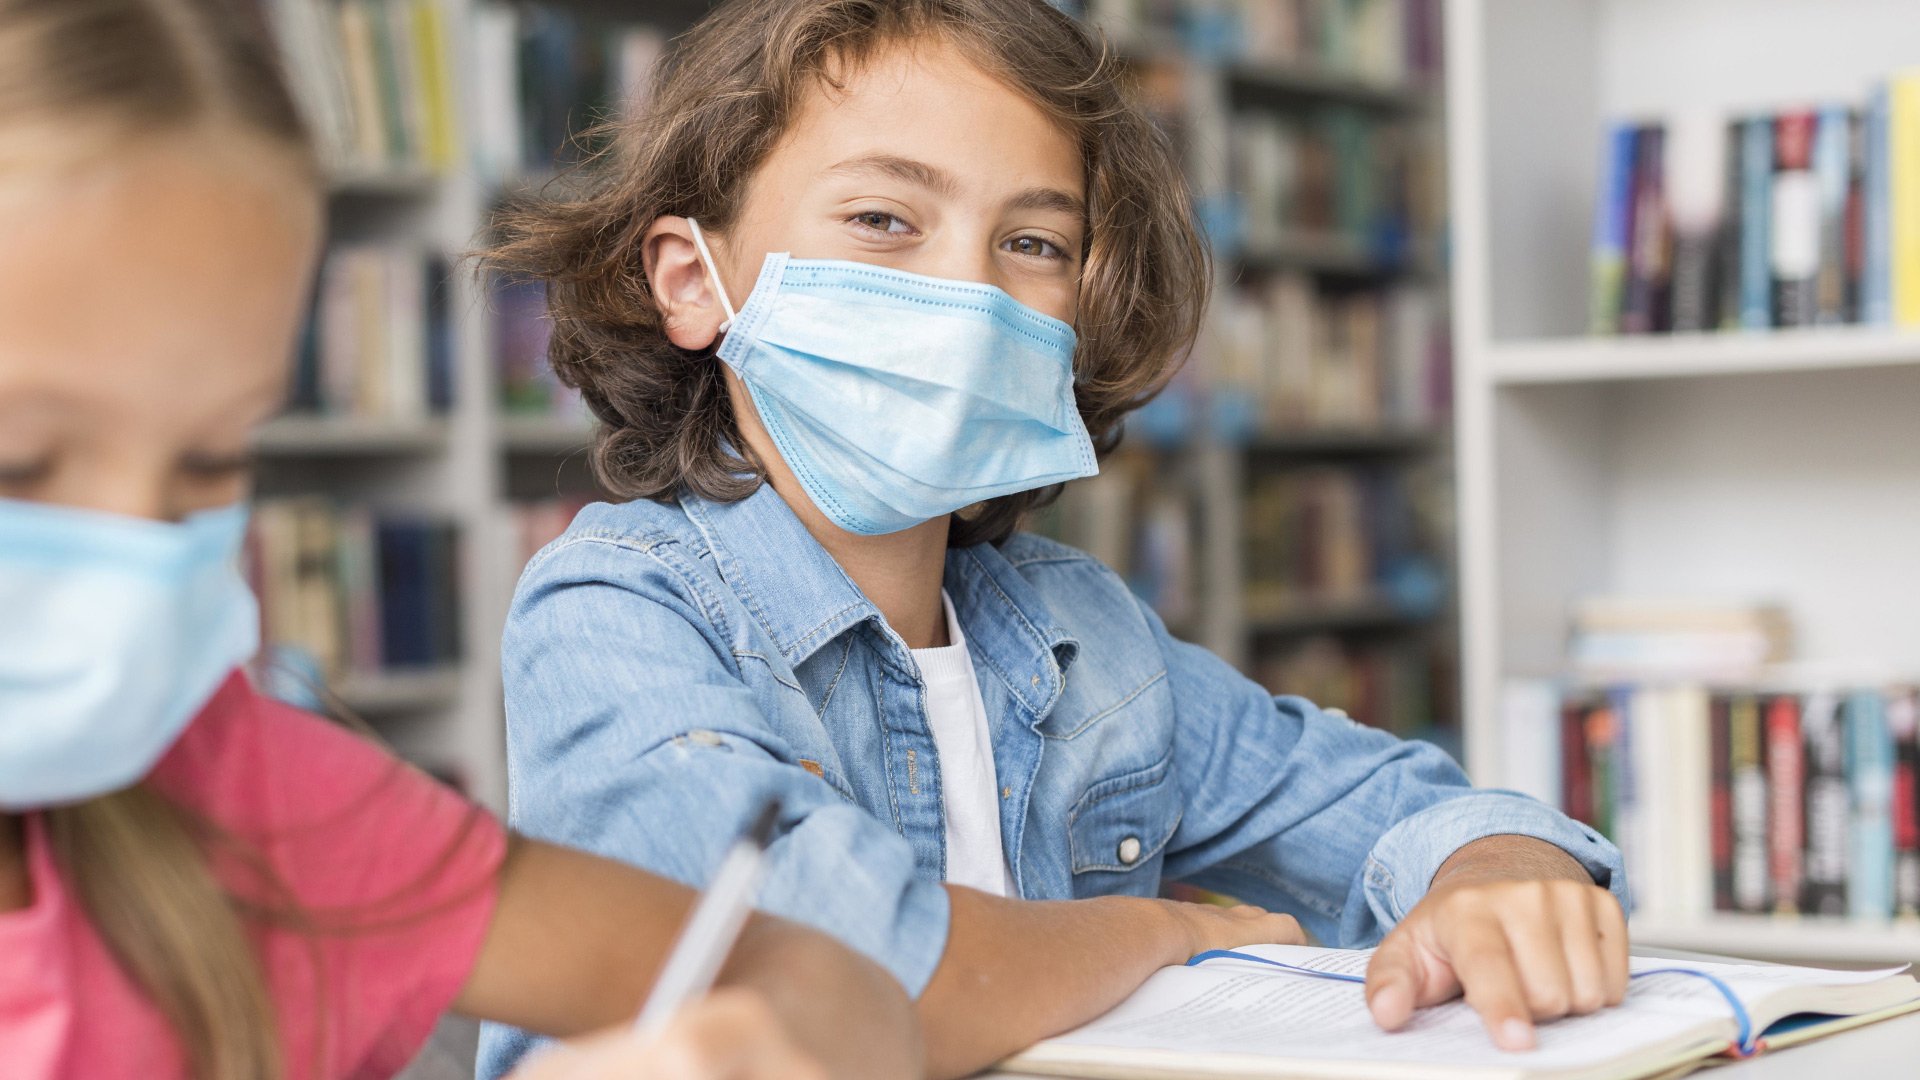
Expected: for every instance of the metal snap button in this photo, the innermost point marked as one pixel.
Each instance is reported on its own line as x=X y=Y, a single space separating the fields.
x=1130 y=851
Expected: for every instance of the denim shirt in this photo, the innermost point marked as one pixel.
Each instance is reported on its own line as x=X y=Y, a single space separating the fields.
x=668 y=667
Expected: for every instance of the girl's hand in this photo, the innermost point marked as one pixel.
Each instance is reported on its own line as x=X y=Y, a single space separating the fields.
x=730 y=1034
x=1518 y=927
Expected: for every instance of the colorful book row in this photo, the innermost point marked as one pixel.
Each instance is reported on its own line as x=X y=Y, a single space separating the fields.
x=1738 y=800
x=378 y=341
x=348 y=589
x=1382 y=41
x=374 y=81
x=1303 y=359
x=543 y=77
x=1333 y=181
x=1404 y=685
x=1807 y=217
x=1333 y=538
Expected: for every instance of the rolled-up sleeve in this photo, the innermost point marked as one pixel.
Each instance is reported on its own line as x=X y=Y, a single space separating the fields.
x=631 y=735
x=1343 y=826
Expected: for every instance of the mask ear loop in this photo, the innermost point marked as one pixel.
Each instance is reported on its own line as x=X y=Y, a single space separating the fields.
x=713 y=273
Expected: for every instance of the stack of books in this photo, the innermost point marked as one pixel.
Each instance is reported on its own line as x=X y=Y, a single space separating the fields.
x=1806 y=217
x=374 y=81
x=1306 y=360
x=378 y=341
x=349 y=590
x=1630 y=638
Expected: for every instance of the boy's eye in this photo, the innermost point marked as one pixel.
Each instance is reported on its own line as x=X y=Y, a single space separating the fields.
x=880 y=221
x=1036 y=247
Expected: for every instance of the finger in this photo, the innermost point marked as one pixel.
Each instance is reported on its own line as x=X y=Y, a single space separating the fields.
x=1610 y=931
x=728 y=1035
x=1533 y=939
x=1484 y=964
x=1393 y=981
x=1580 y=942
x=1282 y=930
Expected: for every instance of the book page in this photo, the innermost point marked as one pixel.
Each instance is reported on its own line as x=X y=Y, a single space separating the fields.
x=1227 y=1006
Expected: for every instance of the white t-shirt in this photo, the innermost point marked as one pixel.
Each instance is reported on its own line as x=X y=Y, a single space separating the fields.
x=968 y=785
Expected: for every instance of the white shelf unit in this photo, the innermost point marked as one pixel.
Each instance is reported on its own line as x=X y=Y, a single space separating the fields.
x=460 y=466
x=1776 y=466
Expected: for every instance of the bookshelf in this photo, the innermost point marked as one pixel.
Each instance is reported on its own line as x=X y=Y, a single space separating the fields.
x=1755 y=465
x=504 y=459
x=1249 y=91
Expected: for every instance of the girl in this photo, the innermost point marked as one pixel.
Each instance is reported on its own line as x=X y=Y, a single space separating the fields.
x=195 y=881
x=865 y=284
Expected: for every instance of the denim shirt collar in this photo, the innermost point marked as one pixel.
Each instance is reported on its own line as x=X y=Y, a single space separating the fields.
x=805 y=600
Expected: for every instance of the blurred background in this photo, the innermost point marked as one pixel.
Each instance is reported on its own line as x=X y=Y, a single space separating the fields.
x=1559 y=403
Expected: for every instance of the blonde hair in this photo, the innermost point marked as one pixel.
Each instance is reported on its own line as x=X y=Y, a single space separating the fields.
x=100 y=71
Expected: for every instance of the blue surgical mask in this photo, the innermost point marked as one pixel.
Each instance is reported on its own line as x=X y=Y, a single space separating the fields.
x=897 y=398
x=114 y=631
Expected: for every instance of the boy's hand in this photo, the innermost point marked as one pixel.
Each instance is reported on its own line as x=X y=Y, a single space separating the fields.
x=1516 y=925
x=1206 y=927
x=730 y=1034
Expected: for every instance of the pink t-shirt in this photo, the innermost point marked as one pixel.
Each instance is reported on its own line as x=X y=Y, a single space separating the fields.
x=402 y=869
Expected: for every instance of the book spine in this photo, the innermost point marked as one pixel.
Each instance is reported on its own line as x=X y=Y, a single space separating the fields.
x=1795 y=228
x=1747 y=747
x=1828 y=809
x=1869 y=770
x=1903 y=726
x=1903 y=152
x=1733 y=219
x=1720 y=758
x=1696 y=189
x=1756 y=213
x=1649 y=254
x=1600 y=755
x=1876 y=226
x=1785 y=758
x=1833 y=172
x=1576 y=772
x=1612 y=217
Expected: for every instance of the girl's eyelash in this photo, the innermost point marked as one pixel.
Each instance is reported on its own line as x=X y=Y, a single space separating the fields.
x=215 y=467
x=25 y=472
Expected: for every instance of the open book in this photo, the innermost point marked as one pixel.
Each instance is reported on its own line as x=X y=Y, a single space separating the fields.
x=1238 y=1018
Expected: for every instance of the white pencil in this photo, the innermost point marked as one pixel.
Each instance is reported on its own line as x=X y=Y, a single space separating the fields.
x=708 y=937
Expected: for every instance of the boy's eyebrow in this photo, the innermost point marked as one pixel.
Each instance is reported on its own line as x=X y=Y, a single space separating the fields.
x=918 y=173
x=1046 y=198
x=942 y=182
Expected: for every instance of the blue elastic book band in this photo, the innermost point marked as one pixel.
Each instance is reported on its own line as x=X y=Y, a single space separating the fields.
x=1746 y=1040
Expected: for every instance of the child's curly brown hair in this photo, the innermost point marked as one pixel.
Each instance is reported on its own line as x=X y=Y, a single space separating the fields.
x=719 y=105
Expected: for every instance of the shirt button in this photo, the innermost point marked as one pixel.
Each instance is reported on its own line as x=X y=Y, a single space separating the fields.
x=1130 y=851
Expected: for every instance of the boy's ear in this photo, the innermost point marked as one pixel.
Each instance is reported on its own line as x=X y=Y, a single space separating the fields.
x=689 y=306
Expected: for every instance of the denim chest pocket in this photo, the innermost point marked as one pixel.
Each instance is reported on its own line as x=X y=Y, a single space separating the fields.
x=1121 y=827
